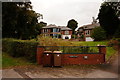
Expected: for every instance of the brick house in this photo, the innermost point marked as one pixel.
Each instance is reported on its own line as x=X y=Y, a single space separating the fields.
x=66 y=32
x=84 y=32
x=57 y=31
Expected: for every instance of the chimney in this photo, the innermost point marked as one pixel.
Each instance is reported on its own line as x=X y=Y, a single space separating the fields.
x=94 y=20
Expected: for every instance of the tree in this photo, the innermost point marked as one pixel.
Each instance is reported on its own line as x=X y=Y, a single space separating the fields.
x=73 y=25
x=19 y=20
x=98 y=34
x=108 y=17
x=39 y=26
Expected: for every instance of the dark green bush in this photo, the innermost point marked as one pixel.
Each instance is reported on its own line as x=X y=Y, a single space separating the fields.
x=98 y=34
x=20 y=48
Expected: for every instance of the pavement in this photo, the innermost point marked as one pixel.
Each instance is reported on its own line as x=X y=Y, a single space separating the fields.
x=10 y=73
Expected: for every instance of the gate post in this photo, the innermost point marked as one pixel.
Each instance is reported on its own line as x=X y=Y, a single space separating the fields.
x=39 y=55
x=102 y=50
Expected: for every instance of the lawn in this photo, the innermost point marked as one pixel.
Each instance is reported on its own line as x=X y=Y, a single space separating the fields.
x=90 y=43
x=110 y=50
x=47 y=41
x=8 y=61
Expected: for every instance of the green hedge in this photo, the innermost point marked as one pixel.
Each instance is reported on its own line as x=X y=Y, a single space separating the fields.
x=20 y=48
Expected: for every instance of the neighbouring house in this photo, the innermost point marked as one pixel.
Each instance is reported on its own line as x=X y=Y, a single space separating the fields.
x=57 y=31
x=84 y=32
x=66 y=32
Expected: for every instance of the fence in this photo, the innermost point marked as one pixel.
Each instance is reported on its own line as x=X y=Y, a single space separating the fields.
x=75 y=54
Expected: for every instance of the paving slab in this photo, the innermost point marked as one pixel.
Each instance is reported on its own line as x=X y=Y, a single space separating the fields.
x=94 y=74
x=101 y=74
x=10 y=73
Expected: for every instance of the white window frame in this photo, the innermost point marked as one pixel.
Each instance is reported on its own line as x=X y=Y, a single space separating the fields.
x=67 y=33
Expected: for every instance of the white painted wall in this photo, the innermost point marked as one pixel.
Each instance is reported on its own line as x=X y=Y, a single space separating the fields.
x=89 y=39
x=63 y=36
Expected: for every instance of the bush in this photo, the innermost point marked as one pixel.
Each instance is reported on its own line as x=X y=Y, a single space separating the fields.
x=98 y=34
x=20 y=48
x=115 y=43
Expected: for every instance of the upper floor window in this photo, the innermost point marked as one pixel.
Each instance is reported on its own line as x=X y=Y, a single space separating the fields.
x=66 y=32
x=87 y=32
x=56 y=30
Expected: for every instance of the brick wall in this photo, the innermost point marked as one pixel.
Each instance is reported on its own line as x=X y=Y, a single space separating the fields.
x=96 y=58
x=39 y=55
x=79 y=59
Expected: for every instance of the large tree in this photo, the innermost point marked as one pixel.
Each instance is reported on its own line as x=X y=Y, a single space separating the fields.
x=73 y=25
x=108 y=17
x=19 y=20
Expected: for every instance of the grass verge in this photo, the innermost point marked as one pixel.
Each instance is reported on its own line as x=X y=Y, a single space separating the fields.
x=8 y=61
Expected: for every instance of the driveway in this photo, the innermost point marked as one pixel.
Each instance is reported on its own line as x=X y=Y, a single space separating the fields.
x=71 y=71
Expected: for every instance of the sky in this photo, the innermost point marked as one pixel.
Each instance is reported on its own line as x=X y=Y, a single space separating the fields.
x=59 y=12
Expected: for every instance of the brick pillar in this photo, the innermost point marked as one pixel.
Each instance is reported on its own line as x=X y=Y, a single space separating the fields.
x=102 y=50
x=39 y=57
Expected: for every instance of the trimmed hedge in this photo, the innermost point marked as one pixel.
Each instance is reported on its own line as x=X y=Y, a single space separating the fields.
x=20 y=48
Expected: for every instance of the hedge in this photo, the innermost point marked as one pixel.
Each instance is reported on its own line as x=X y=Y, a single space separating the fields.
x=20 y=48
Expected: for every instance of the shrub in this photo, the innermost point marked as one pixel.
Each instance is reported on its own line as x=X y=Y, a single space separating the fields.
x=98 y=34
x=49 y=41
x=20 y=48
x=115 y=43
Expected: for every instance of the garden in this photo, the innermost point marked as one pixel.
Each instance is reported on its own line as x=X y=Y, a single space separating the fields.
x=23 y=52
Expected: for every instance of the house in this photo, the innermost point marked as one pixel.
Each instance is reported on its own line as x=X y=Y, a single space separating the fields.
x=66 y=32
x=57 y=31
x=84 y=32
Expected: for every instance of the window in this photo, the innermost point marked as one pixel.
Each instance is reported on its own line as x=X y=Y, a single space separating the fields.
x=87 y=32
x=66 y=32
x=54 y=30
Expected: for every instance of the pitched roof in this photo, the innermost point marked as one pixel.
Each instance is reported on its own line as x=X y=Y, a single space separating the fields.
x=51 y=26
x=54 y=26
x=65 y=28
x=90 y=26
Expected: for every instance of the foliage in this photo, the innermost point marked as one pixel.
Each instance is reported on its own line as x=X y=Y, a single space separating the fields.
x=19 y=20
x=73 y=25
x=108 y=17
x=74 y=36
x=20 y=48
x=48 y=41
x=117 y=33
x=98 y=34
x=82 y=36
x=80 y=49
x=40 y=25
x=115 y=43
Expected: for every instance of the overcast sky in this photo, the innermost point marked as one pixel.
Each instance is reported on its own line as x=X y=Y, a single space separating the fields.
x=59 y=12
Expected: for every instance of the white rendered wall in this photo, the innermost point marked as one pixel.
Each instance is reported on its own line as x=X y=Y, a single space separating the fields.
x=63 y=36
x=89 y=39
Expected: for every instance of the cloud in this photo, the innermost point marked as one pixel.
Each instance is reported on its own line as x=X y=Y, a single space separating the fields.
x=59 y=12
